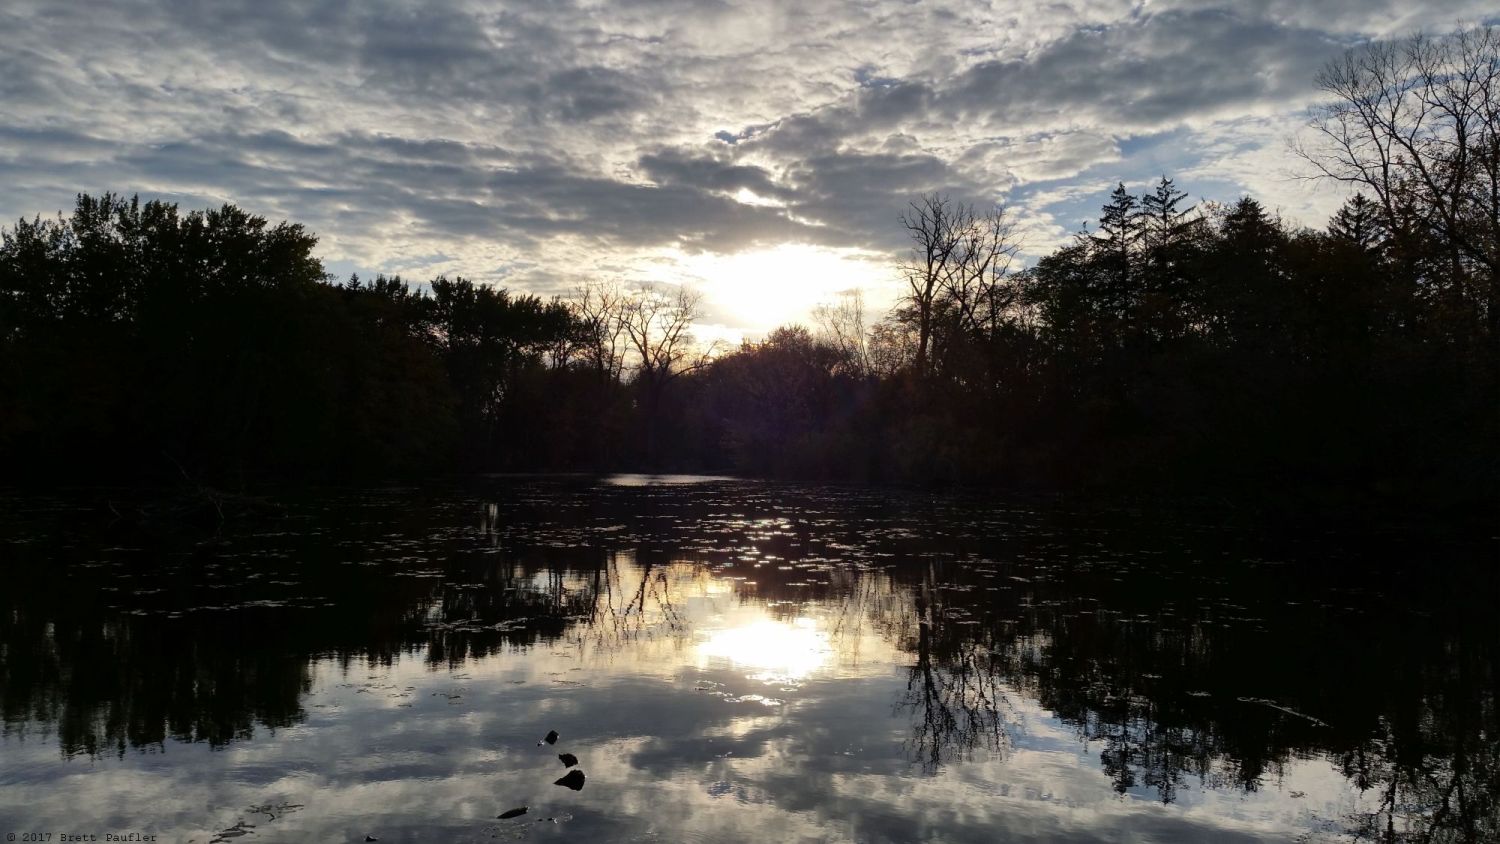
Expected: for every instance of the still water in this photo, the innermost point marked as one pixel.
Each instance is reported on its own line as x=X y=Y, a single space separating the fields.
x=736 y=661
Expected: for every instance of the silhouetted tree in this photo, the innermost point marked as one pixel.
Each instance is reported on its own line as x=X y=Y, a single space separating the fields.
x=1358 y=222
x=1417 y=123
x=658 y=324
x=958 y=259
x=1115 y=249
x=842 y=325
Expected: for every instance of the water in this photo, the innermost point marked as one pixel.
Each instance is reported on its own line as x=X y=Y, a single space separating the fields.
x=733 y=660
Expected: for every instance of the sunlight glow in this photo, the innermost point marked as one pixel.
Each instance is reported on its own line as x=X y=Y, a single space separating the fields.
x=772 y=648
x=761 y=289
x=750 y=197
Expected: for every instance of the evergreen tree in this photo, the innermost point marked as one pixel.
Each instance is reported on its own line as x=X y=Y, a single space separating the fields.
x=1163 y=221
x=1358 y=221
x=1168 y=238
x=1114 y=250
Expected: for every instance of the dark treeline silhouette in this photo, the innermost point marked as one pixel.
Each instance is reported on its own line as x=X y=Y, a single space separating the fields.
x=1210 y=350
x=140 y=341
x=1167 y=349
x=1187 y=352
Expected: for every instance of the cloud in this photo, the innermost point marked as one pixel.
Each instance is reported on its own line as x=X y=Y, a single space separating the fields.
x=545 y=141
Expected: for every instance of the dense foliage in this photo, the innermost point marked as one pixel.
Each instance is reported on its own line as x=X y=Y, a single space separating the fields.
x=142 y=343
x=1170 y=350
x=1218 y=353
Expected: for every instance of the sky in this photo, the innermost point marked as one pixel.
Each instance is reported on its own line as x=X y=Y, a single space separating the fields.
x=758 y=151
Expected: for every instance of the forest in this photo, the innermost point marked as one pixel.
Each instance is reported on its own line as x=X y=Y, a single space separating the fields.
x=1209 y=351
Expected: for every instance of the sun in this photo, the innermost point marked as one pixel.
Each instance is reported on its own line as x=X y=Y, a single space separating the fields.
x=760 y=289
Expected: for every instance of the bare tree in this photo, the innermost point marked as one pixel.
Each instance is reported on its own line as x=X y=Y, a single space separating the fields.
x=599 y=308
x=1417 y=124
x=892 y=346
x=979 y=291
x=842 y=325
x=645 y=330
x=957 y=262
x=657 y=322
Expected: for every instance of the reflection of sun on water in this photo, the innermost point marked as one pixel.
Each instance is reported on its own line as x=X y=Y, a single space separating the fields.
x=773 y=648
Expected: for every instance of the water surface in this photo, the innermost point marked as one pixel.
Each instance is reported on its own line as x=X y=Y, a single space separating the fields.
x=733 y=660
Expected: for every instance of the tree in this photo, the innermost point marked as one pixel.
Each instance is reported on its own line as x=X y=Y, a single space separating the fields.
x=1248 y=296
x=490 y=341
x=773 y=402
x=957 y=262
x=1170 y=237
x=1417 y=123
x=1358 y=222
x=842 y=326
x=599 y=315
x=1115 y=248
x=1163 y=222
x=658 y=325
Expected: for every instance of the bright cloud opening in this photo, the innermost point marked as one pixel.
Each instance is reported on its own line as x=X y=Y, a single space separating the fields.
x=765 y=288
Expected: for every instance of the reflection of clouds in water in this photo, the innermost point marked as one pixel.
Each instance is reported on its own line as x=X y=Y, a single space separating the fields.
x=658 y=756
x=728 y=672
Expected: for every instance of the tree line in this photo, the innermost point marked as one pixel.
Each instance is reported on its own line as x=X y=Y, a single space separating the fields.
x=1210 y=349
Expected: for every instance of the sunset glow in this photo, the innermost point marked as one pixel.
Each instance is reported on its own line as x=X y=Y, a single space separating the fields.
x=761 y=289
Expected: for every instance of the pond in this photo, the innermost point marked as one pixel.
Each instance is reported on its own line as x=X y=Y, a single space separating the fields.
x=729 y=660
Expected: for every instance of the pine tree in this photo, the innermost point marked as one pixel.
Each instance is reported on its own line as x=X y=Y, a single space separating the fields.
x=1163 y=222
x=1119 y=226
x=1114 y=250
x=1359 y=222
x=1167 y=237
x=1250 y=294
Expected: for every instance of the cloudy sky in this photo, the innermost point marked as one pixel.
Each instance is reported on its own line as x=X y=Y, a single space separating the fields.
x=760 y=151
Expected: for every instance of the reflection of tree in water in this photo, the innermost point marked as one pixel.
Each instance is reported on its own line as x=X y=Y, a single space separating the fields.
x=635 y=599
x=1435 y=763
x=954 y=691
x=84 y=678
x=1173 y=670
x=105 y=680
x=1179 y=670
x=1216 y=693
x=493 y=603
x=115 y=642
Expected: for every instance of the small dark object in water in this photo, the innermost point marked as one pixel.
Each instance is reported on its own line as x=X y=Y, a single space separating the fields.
x=514 y=813
x=568 y=759
x=573 y=780
x=371 y=838
x=551 y=737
